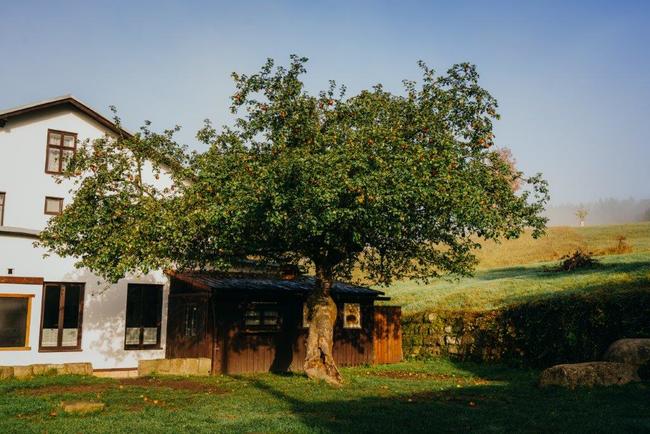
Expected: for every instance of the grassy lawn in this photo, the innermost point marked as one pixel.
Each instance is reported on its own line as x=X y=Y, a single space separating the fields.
x=408 y=397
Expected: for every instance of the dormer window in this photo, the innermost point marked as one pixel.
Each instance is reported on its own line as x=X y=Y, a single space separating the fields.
x=61 y=146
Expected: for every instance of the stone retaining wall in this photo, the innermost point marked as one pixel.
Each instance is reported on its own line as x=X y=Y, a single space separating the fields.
x=45 y=369
x=545 y=332
x=187 y=366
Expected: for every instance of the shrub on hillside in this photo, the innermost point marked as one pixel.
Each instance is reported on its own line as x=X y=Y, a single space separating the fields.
x=576 y=261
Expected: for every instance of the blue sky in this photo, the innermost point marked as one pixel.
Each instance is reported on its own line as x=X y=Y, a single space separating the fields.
x=572 y=78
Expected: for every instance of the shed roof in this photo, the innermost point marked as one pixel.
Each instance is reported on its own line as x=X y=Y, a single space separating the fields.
x=300 y=285
x=63 y=100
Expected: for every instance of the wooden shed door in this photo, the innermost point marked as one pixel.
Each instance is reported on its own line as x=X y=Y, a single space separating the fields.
x=187 y=327
x=387 y=335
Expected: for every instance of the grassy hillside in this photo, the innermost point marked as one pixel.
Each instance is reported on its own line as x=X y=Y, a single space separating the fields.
x=559 y=241
x=515 y=270
x=490 y=289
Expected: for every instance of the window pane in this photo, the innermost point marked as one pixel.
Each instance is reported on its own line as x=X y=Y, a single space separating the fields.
x=150 y=336
x=69 y=338
x=71 y=307
x=133 y=335
x=13 y=319
x=67 y=155
x=51 y=307
x=270 y=317
x=190 y=328
x=53 y=156
x=134 y=306
x=2 y=199
x=49 y=337
x=53 y=205
x=54 y=139
x=68 y=141
x=151 y=297
x=51 y=301
x=252 y=318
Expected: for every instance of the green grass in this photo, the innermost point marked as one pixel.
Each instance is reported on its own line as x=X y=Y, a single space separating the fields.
x=432 y=396
x=494 y=288
x=515 y=271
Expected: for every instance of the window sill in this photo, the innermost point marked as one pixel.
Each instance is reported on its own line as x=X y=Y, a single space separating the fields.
x=15 y=348
x=59 y=350
x=143 y=348
x=261 y=331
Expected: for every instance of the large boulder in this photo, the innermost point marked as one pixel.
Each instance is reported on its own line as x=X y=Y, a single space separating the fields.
x=631 y=351
x=589 y=374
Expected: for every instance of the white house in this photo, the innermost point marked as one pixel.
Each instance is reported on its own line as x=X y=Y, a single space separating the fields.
x=51 y=312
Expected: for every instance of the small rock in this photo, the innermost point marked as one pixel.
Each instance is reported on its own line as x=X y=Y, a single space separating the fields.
x=82 y=407
x=589 y=374
x=632 y=351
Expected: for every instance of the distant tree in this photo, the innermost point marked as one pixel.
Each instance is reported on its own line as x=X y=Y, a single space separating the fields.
x=582 y=215
x=506 y=155
x=395 y=186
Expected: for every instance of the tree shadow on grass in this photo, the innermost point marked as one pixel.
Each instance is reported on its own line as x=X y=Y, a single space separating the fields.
x=605 y=289
x=515 y=405
x=546 y=272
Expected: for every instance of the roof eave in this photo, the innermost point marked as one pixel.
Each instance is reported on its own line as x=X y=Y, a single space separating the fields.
x=62 y=100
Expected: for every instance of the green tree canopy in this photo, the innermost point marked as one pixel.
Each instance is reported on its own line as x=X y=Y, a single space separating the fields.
x=395 y=185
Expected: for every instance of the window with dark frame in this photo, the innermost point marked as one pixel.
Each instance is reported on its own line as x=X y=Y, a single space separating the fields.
x=143 y=316
x=62 y=317
x=2 y=208
x=190 y=323
x=61 y=146
x=262 y=317
x=15 y=314
x=53 y=205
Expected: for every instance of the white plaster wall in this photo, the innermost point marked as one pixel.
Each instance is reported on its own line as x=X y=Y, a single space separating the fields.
x=23 y=179
x=22 y=163
x=102 y=339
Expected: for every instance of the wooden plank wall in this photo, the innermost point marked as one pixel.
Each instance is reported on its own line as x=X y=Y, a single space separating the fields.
x=285 y=350
x=387 y=337
x=234 y=350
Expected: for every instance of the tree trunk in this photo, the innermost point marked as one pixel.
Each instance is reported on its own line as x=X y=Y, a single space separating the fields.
x=319 y=363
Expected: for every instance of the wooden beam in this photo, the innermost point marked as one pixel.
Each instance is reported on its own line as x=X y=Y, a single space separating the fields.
x=17 y=280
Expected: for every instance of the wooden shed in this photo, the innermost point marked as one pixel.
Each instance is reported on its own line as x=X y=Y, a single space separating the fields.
x=257 y=322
